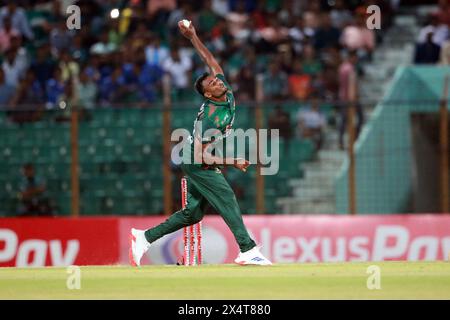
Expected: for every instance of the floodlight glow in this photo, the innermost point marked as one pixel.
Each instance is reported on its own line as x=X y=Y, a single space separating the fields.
x=115 y=13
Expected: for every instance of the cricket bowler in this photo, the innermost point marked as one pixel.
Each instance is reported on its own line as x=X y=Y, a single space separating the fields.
x=205 y=182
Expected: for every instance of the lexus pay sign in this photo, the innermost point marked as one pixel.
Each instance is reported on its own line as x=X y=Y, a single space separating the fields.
x=35 y=252
x=38 y=242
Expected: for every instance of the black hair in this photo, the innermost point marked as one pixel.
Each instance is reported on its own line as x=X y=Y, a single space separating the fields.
x=199 y=85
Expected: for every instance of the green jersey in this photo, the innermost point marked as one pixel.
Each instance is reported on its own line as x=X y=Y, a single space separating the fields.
x=215 y=119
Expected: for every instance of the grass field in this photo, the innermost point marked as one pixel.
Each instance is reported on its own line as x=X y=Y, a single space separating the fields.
x=399 y=280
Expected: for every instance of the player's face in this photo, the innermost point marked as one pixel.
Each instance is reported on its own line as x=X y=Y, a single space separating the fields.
x=214 y=87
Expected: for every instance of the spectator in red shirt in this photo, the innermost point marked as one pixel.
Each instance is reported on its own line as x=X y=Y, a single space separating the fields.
x=443 y=12
x=299 y=82
x=6 y=33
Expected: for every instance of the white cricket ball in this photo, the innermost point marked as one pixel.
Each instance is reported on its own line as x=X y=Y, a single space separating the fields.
x=186 y=23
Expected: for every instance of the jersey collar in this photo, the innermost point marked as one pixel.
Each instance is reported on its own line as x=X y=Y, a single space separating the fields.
x=219 y=103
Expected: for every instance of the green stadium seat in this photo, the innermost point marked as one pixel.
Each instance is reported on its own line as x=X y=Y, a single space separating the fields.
x=63 y=202
x=120 y=154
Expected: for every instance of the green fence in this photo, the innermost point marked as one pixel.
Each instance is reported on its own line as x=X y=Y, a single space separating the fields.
x=120 y=156
x=383 y=152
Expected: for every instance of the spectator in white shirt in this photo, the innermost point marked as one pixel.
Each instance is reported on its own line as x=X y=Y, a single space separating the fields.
x=440 y=31
x=18 y=19
x=236 y=19
x=14 y=67
x=60 y=38
x=221 y=7
x=155 y=52
x=340 y=15
x=86 y=91
x=311 y=122
x=178 y=66
x=104 y=46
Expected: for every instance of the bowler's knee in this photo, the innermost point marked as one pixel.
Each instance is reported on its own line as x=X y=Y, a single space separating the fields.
x=191 y=217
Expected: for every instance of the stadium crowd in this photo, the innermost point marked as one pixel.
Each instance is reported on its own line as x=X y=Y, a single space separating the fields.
x=304 y=50
x=119 y=56
x=433 y=42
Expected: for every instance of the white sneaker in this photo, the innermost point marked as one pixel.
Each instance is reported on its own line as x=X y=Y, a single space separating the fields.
x=138 y=246
x=252 y=257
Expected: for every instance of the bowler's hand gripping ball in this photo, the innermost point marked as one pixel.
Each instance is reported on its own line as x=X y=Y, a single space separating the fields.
x=186 y=23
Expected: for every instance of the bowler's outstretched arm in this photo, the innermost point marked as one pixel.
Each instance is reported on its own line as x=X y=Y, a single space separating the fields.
x=204 y=53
